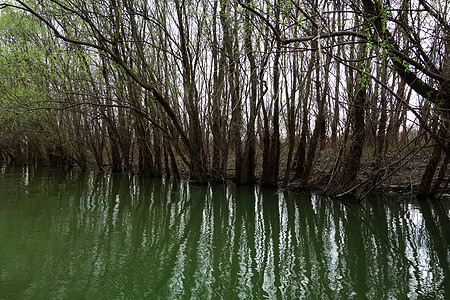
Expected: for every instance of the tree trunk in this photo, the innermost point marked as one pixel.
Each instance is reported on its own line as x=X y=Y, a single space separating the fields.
x=352 y=159
x=249 y=164
x=196 y=150
x=233 y=83
x=424 y=190
x=271 y=154
x=351 y=163
x=219 y=143
x=319 y=125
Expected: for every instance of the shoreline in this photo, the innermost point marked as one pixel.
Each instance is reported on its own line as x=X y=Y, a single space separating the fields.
x=402 y=181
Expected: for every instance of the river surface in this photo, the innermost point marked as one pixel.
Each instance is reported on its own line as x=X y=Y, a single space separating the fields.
x=73 y=235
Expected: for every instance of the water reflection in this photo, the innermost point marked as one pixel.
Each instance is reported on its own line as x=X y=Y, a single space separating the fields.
x=105 y=236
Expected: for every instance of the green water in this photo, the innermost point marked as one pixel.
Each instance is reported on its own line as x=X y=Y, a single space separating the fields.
x=72 y=235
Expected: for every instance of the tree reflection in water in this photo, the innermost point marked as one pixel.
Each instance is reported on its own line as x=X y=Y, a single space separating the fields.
x=100 y=235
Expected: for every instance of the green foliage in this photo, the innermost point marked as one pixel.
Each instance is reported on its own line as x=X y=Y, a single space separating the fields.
x=23 y=84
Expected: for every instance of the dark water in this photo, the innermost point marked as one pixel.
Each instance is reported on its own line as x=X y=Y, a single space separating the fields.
x=69 y=235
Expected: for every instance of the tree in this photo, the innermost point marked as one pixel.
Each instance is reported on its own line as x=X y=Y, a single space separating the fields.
x=160 y=86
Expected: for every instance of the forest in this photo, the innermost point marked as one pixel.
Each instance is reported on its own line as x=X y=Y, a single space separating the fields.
x=338 y=94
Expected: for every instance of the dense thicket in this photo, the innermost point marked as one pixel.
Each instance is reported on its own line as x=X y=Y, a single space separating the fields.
x=220 y=88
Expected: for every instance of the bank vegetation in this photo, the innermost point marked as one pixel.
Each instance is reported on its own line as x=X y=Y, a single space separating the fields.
x=219 y=89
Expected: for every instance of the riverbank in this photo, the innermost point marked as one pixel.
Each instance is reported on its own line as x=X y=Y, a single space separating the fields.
x=401 y=175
